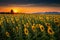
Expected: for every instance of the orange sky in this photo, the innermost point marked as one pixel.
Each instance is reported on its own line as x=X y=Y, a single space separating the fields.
x=29 y=9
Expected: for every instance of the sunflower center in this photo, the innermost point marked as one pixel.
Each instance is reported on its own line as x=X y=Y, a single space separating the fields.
x=50 y=31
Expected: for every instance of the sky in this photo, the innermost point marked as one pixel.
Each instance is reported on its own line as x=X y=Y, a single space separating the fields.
x=29 y=6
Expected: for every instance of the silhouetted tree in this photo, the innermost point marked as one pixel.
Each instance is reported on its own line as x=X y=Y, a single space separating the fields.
x=12 y=11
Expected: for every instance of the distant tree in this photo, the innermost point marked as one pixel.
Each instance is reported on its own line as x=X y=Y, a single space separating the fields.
x=12 y=11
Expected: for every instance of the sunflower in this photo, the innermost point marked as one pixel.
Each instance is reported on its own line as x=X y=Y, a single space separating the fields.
x=22 y=21
x=41 y=18
x=56 y=20
x=37 y=25
x=50 y=31
x=12 y=19
x=7 y=34
x=17 y=19
x=13 y=29
x=2 y=18
x=0 y=22
x=13 y=22
x=33 y=28
x=7 y=20
x=26 y=31
x=57 y=23
x=18 y=24
x=51 y=38
x=47 y=24
x=41 y=27
x=47 y=18
x=32 y=21
x=27 y=25
x=17 y=28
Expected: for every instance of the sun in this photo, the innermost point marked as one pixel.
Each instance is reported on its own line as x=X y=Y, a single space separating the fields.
x=15 y=11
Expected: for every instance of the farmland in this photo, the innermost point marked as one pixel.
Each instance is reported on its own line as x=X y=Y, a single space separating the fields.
x=29 y=27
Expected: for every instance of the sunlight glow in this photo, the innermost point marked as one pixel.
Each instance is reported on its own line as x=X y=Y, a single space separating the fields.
x=29 y=9
x=15 y=10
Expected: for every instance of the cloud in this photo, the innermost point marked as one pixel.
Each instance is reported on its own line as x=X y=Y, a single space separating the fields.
x=29 y=1
x=31 y=5
x=53 y=3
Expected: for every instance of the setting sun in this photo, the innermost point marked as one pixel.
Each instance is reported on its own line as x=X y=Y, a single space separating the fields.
x=15 y=10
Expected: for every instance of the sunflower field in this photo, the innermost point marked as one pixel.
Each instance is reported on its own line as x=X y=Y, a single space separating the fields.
x=29 y=27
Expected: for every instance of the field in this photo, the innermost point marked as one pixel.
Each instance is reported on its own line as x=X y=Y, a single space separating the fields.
x=29 y=27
